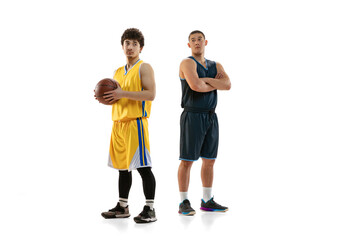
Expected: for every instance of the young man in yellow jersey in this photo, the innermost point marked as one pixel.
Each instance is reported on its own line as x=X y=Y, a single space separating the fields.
x=199 y=130
x=129 y=145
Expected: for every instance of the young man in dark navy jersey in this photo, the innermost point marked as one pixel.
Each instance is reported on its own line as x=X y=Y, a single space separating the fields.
x=199 y=131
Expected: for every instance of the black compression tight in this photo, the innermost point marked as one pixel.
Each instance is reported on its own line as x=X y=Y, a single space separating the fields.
x=149 y=182
x=125 y=181
x=148 y=179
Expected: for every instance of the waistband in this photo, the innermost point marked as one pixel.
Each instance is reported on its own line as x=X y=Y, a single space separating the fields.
x=199 y=110
x=130 y=119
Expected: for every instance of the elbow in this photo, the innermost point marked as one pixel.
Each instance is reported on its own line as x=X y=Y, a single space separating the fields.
x=225 y=86
x=151 y=97
x=228 y=86
x=195 y=87
x=198 y=88
x=195 y=84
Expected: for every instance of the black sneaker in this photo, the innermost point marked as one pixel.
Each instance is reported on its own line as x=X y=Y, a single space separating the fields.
x=212 y=206
x=117 y=212
x=146 y=216
x=186 y=209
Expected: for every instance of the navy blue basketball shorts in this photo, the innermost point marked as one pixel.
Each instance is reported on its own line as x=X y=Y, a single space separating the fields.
x=199 y=136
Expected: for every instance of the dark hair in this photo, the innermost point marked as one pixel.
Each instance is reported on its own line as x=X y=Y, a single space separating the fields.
x=196 y=31
x=133 y=34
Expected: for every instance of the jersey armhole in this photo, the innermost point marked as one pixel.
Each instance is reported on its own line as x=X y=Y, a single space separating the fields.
x=139 y=70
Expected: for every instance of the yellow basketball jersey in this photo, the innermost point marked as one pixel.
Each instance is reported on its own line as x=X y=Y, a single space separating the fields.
x=130 y=80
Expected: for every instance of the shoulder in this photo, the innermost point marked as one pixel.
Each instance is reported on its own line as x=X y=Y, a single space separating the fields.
x=187 y=62
x=145 y=67
x=145 y=70
x=219 y=66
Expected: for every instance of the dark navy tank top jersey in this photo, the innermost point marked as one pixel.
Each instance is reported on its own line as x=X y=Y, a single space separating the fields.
x=200 y=100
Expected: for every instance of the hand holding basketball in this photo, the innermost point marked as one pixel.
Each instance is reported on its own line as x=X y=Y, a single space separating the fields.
x=103 y=87
x=114 y=95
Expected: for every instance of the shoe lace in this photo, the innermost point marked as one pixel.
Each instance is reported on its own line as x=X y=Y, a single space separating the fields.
x=117 y=208
x=215 y=203
x=145 y=211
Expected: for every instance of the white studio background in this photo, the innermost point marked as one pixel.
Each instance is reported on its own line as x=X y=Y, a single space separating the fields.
x=288 y=164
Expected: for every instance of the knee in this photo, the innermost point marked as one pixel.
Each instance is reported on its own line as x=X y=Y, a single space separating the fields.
x=186 y=164
x=208 y=163
x=125 y=174
x=145 y=172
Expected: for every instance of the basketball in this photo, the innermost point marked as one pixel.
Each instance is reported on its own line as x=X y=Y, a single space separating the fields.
x=105 y=85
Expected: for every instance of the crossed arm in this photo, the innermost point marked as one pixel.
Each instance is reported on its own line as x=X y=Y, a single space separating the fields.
x=220 y=82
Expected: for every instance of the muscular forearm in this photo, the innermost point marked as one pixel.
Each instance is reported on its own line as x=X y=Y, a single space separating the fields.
x=202 y=86
x=220 y=84
x=144 y=95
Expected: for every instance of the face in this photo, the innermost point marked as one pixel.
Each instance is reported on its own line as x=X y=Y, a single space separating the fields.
x=131 y=48
x=197 y=43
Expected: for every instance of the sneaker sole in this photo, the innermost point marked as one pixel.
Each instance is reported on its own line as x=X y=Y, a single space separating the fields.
x=145 y=220
x=114 y=216
x=213 y=210
x=187 y=213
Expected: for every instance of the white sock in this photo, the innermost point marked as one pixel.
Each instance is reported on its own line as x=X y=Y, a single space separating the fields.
x=207 y=195
x=183 y=196
x=150 y=203
x=123 y=202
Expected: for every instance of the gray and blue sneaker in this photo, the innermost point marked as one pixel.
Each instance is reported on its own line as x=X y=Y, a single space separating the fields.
x=186 y=209
x=212 y=206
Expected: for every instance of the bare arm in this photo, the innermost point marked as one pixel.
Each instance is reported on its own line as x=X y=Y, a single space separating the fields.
x=221 y=81
x=148 y=85
x=188 y=71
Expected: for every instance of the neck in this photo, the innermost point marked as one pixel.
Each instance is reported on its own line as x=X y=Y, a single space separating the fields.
x=130 y=61
x=200 y=58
